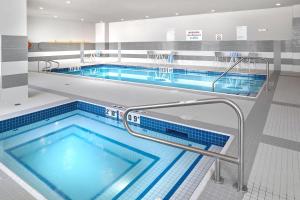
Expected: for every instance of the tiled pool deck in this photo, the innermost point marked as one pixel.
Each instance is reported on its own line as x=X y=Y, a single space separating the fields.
x=272 y=141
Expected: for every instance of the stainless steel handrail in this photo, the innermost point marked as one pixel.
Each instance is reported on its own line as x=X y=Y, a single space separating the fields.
x=236 y=160
x=49 y=62
x=224 y=73
x=53 y=61
x=238 y=62
x=40 y=62
x=267 y=70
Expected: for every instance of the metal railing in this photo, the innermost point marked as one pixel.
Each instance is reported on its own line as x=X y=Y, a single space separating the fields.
x=239 y=160
x=50 y=62
x=224 y=73
x=238 y=62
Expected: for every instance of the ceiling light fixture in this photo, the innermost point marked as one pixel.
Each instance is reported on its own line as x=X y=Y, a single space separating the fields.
x=68 y=2
x=82 y=19
x=146 y=16
x=41 y=8
x=278 y=4
x=55 y=16
x=213 y=10
x=122 y=19
x=177 y=14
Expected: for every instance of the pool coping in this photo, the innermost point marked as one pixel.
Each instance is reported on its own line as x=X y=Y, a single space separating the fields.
x=161 y=86
x=39 y=196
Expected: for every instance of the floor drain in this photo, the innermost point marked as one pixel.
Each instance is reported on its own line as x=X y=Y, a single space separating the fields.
x=18 y=104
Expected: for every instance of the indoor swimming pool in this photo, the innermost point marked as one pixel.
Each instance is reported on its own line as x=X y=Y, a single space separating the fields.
x=81 y=151
x=232 y=83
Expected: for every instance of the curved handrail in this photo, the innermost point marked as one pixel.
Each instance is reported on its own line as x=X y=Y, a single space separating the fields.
x=56 y=62
x=236 y=160
x=48 y=62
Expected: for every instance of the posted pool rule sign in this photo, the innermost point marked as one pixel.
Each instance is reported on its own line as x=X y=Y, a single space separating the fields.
x=194 y=35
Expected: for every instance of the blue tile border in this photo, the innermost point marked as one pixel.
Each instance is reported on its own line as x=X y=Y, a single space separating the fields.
x=23 y=120
x=193 y=134
x=169 y=128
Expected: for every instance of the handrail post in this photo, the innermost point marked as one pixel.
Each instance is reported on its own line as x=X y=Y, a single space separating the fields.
x=239 y=161
x=268 y=74
x=217 y=178
x=240 y=184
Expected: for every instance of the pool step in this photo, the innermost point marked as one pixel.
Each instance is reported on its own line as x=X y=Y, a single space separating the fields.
x=166 y=183
x=190 y=184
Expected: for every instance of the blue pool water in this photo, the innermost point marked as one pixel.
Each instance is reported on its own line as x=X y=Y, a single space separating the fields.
x=79 y=155
x=232 y=83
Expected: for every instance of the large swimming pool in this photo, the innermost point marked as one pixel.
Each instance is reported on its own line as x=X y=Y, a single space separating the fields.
x=232 y=83
x=81 y=151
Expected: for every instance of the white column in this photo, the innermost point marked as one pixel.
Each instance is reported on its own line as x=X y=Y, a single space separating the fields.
x=13 y=51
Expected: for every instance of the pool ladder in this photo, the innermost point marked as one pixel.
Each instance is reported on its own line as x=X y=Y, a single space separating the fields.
x=50 y=62
x=238 y=62
x=239 y=160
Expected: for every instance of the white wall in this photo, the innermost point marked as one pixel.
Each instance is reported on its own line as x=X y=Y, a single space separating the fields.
x=13 y=17
x=100 y=32
x=42 y=29
x=278 y=22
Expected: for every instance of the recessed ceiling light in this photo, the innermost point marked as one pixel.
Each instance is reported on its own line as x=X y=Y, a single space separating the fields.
x=68 y=2
x=278 y=4
x=41 y=8
x=213 y=10
x=122 y=19
x=55 y=16
x=146 y=16
x=176 y=14
x=82 y=19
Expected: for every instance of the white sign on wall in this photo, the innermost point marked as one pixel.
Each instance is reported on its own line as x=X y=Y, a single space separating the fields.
x=241 y=32
x=171 y=35
x=219 y=36
x=193 y=35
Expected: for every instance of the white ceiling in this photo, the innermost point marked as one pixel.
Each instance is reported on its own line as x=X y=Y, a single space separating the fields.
x=115 y=10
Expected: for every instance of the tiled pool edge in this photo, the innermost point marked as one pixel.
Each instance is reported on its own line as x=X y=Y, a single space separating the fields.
x=196 y=194
x=100 y=110
x=206 y=136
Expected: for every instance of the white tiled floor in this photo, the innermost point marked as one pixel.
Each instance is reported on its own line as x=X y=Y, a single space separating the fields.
x=287 y=90
x=275 y=174
x=36 y=99
x=283 y=122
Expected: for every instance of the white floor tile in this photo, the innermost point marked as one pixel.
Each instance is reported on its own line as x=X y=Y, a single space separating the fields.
x=283 y=122
x=275 y=174
x=287 y=90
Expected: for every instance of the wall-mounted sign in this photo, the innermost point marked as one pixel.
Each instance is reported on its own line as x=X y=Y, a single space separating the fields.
x=171 y=35
x=219 y=36
x=193 y=35
x=241 y=32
